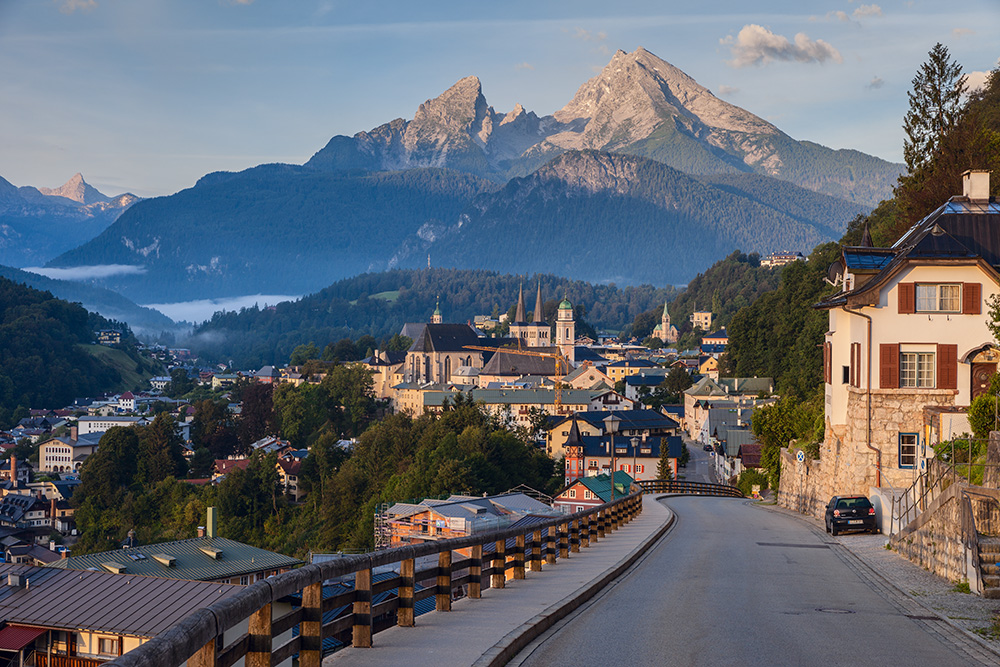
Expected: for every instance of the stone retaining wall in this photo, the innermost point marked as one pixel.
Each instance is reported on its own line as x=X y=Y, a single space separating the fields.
x=934 y=540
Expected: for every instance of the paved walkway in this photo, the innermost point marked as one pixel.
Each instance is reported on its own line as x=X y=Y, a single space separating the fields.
x=494 y=628
x=914 y=588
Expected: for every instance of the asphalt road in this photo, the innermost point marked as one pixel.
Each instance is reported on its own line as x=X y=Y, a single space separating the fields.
x=734 y=584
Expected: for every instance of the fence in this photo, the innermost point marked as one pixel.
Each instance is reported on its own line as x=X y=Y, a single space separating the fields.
x=198 y=639
x=684 y=487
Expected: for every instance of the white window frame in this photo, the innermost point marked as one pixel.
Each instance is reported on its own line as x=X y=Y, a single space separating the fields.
x=112 y=644
x=917 y=370
x=572 y=493
x=938 y=297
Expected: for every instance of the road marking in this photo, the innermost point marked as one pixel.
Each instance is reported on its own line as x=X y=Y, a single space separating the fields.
x=800 y=546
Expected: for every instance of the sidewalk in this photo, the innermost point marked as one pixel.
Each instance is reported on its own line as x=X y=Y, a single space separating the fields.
x=927 y=593
x=491 y=630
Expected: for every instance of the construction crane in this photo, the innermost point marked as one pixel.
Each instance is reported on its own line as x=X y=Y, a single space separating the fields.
x=562 y=364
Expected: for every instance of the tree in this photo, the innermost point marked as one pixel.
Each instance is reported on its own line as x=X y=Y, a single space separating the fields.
x=257 y=414
x=160 y=453
x=180 y=383
x=304 y=353
x=677 y=380
x=665 y=469
x=935 y=107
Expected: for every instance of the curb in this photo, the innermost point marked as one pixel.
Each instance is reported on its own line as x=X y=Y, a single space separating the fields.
x=518 y=638
x=845 y=552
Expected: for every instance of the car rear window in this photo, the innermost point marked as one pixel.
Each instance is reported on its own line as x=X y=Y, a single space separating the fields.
x=848 y=503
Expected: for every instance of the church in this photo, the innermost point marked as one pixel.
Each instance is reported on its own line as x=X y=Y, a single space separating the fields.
x=535 y=334
x=664 y=330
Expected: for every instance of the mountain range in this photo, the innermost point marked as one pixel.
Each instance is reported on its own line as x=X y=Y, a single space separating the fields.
x=37 y=224
x=644 y=176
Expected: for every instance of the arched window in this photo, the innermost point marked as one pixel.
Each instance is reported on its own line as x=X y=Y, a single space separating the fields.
x=447 y=369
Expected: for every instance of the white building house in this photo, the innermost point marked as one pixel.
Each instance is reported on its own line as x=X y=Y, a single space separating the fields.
x=908 y=339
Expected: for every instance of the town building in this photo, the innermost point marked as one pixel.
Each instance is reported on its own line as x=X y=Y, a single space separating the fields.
x=591 y=455
x=701 y=319
x=89 y=424
x=585 y=493
x=908 y=339
x=67 y=454
x=776 y=259
x=665 y=331
x=632 y=423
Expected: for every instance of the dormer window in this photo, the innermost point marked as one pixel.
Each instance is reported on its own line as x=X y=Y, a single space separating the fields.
x=939 y=298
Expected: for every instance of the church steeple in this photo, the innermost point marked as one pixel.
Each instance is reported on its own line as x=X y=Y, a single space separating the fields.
x=437 y=318
x=519 y=316
x=536 y=316
x=866 y=238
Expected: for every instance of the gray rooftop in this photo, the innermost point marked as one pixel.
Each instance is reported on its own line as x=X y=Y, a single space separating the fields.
x=103 y=602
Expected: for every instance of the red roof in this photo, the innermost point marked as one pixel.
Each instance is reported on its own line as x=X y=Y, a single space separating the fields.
x=222 y=466
x=16 y=637
x=749 y=454
x=128 y=396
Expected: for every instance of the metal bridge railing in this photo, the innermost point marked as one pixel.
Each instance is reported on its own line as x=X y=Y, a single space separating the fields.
x=199 y=638
x=684 y=487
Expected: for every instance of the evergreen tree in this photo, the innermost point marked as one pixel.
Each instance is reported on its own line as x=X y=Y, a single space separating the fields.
x=664 y=469
x=935 y=107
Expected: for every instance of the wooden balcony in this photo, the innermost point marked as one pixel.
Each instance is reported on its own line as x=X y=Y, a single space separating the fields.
x=42 y=660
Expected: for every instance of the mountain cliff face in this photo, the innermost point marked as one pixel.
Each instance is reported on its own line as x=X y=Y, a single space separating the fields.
x=639 y=104
x=604 y=217
x=36 y=224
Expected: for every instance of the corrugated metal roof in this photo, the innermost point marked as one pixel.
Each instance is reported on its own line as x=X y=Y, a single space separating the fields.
x=191 y=562
x=103 y=602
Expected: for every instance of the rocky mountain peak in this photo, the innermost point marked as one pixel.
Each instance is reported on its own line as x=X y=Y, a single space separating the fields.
x=78 y=190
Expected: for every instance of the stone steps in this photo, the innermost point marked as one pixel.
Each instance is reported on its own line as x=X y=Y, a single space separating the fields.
x=989 y=565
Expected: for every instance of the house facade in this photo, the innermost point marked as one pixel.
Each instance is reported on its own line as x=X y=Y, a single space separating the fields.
x=908 y=339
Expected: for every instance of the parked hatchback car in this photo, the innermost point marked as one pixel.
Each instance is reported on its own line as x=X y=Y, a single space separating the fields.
x=850 y=513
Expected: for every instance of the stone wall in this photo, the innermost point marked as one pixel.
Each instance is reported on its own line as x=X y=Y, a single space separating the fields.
x=934 y=540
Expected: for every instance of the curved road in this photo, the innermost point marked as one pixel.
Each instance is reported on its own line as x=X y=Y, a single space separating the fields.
x=736 y=584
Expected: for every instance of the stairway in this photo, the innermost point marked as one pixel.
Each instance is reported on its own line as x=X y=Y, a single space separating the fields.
x=989 y=565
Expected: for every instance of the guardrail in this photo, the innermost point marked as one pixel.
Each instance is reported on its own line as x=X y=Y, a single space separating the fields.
x=683 y=487
x=199 y=638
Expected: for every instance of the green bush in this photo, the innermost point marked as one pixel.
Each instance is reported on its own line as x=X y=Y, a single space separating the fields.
x=750 y=477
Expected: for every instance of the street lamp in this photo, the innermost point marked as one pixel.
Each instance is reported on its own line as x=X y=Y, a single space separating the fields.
x=611 y=423
x=635 y=449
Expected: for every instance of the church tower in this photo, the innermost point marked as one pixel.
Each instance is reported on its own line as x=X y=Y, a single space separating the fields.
x=437 y=318
x=566 y=331
x=538 y=330
x=519 y=327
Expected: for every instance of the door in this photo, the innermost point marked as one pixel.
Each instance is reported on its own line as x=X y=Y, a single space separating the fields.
x=981 y=374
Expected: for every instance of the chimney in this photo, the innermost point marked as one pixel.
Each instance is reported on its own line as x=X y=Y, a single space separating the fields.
x=64 y=554
x=74 y=433
x=13 y=469
x=976 y=185
x=52 y=511
x=210 y=531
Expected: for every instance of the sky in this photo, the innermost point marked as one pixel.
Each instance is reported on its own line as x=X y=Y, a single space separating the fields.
x=146 y=96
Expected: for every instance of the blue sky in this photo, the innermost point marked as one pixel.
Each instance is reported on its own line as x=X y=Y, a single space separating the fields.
x=148 y=95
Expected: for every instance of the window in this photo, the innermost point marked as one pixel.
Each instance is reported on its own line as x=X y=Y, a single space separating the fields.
x=845 y=377
x=943 y=298
x=107 y=646
x=245 y=580
x=907 y=450
x=572 y=493
x=916 y=369
x=587 y=495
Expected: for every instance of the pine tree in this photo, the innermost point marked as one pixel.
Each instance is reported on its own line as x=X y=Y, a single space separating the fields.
x=664 y=469
x=936 y=102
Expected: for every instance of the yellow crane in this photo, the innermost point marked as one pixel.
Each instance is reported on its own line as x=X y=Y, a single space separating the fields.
x=562 y=364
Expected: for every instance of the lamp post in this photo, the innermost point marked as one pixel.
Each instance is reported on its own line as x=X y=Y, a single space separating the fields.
x=611 y=423
x=635 y=449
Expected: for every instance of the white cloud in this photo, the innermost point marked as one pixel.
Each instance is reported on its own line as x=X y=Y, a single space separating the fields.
x=728 y=90
x=976 y=80
x=840 y=16
x=88 y=272
x=962 y=32
x=524 y=66
x=756 y=45
x=875 y=83
x=70 y=6
x=867 y=10
x=588 y=36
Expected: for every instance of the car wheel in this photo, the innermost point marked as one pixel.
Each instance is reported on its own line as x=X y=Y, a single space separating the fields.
x=827 y=526
x=833 y=530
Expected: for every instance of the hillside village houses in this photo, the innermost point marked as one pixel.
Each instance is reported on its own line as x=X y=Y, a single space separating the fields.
x=907 y=350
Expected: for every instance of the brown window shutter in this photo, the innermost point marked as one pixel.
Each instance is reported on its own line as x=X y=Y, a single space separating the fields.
x=947 y=366
x=889 y=365
x=907 y=298
x=972 y=298
x=826 y=363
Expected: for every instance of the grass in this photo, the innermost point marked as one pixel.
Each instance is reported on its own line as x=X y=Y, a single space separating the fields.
x=391 y=296
x=962 y=587
x=124 y=364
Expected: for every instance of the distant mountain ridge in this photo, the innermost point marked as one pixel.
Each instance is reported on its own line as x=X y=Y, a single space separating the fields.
x=37 y=224
x=639 y=104
x=642 y=161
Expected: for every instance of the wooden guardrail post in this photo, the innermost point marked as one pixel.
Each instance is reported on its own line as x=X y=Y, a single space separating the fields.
x=614 y=518
x=601 y=515
x=536 y=551
x=476 y=572
x=550 y=546
x=585 y=532
x=564 y=540
x=362 y=633
x=519 y=556
x=591 y=528
x=204 y=657
x=404 y=614
x=311 y=627
x=574 y=536
x=499 y=575
x=259 y=650
x=442 y=600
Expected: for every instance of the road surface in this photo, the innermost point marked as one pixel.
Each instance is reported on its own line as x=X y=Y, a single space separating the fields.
x=736 y=584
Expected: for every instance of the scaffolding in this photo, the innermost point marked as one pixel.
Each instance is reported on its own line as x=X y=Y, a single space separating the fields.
x=383 y=534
